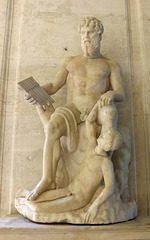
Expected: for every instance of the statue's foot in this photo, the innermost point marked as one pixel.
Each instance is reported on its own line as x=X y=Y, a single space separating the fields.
x=33 y=195
x=41 y=187
x=22 y=193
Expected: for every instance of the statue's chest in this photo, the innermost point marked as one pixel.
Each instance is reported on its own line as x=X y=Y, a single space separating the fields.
x=96 y=70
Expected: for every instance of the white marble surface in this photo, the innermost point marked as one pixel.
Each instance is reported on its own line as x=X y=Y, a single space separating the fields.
x=16 y=227
x=129 y=20
x=94 y=86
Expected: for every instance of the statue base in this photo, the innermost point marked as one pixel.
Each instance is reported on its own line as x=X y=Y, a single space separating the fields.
x=112 y=211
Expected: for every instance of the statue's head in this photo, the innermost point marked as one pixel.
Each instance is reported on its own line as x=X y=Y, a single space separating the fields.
x=92 y=23
x=91 y=30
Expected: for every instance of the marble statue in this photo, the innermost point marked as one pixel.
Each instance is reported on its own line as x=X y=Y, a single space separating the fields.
x=84 y=136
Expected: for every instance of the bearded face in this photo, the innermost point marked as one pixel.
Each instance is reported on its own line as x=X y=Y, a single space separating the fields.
x=90 y=42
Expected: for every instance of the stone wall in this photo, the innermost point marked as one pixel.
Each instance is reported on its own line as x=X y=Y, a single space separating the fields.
x=36 y=36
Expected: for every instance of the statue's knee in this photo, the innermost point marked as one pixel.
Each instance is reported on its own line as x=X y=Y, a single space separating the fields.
x=108 y=113
x=51 y=128
x=108 y=110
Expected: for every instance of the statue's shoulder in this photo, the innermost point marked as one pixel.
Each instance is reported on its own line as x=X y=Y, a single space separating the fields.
x=73 y=59
x=70 y=58
x=113 y=63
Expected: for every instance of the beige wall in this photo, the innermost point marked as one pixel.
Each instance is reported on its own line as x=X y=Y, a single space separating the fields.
x=36 y=34
x=139 y=26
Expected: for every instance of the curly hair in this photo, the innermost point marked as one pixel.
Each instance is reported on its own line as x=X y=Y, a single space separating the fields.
x=111 y=140
x=92 y=22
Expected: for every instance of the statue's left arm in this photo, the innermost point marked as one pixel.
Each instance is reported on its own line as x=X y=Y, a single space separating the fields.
x=117 y=94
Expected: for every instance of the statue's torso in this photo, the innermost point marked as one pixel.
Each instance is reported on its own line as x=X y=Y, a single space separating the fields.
x=88 y=184
x=88 y=79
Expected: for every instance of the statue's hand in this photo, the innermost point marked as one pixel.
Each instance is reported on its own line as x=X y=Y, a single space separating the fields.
x=106 y=99
x=44 y=111
x=29 y=99
x=91 y=213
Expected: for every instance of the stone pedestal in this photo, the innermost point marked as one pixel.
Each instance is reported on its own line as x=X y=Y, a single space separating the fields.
x=16 y=228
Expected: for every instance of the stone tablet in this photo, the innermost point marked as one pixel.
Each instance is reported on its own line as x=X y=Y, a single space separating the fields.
x=32 y=87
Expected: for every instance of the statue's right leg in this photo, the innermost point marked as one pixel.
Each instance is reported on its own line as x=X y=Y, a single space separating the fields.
x=59 y=205
x=54 y=130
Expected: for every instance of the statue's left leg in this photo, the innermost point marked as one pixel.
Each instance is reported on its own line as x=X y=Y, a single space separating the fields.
x=54 y=130
x=91 y=127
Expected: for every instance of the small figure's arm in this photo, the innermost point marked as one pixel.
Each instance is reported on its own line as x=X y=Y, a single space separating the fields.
x=109 y=179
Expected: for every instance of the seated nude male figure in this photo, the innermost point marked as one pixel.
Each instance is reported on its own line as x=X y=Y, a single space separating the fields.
x=89 y=78
x=95 y=167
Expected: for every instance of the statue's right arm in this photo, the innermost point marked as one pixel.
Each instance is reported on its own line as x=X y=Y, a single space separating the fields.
x=60 y=79
x=50 y=88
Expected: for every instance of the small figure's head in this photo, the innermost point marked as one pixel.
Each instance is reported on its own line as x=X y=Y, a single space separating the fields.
x=109 y=141
x=90 y=31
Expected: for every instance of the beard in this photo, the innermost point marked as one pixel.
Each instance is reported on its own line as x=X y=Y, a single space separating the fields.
x=90 y=47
